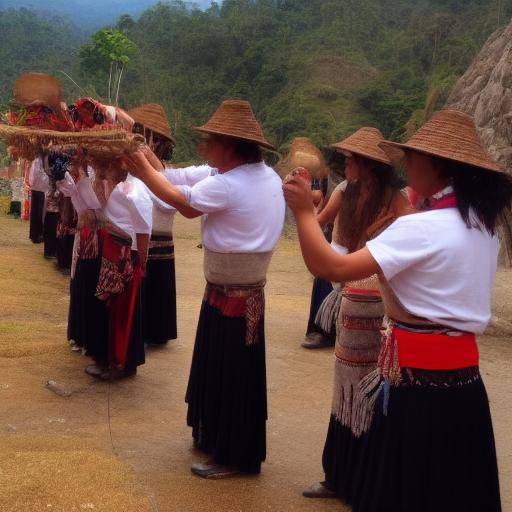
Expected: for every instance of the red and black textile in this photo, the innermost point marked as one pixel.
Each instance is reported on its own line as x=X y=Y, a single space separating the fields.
x=227 y=391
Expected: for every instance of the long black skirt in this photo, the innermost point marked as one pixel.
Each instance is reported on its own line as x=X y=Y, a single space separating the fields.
x=64 y=251
x=227 y=392
x=88 y=316
x=432 y=450
x=36 y=216
x=51 y=220
x=159 y=294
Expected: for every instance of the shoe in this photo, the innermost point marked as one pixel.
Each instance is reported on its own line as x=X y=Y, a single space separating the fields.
x=213 y=471
x=94 y=370
x=76 y=348
x=315 y=340
x=318 y=491
x=115 y=374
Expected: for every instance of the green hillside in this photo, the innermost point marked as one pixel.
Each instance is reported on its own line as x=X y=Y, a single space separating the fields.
x=309 y=67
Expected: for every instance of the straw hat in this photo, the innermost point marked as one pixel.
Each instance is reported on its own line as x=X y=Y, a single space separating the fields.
x=364 y=142
x=235 y=118
x=38 y=89
x=303 y=153
x=153 y=117
x=449 y=134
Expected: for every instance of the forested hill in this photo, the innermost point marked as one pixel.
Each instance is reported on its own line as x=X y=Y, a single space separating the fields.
x=309 y=67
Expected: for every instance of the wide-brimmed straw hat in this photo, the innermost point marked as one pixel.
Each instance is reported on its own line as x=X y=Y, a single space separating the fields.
x=235 y=118
x=33 y=89
x=153 y=117
x=449 y=134
x=365 y=143
x=303 y=153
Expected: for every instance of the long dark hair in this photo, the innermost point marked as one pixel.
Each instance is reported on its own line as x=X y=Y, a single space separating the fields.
x=480 y=193
x=363 y=200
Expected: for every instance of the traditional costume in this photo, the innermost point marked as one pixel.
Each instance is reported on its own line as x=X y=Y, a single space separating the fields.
x=38 y=181
x=358 y=337
x=430 y=446
x=51 y=219
x=159 y=291
x=243 y=219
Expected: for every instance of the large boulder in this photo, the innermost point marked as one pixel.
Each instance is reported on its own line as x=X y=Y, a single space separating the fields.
x=485 y=92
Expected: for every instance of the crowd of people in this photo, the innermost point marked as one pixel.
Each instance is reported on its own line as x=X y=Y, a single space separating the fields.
x=403 y=283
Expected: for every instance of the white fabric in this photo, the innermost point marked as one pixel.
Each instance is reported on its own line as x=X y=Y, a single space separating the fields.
x=244 y=207
x=37 y=178
x=87 y=193
x=438 y=268
x=130 y=208
x=68 y=188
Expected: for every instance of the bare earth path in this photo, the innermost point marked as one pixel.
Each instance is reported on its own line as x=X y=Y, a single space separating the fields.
x=125 y=447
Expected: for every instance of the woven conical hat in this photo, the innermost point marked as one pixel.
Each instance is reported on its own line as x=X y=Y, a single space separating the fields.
x=235 y=118
x=303 y=153
x=153 y=117
x=449 y=134
x=38 y=89
x=365 y=142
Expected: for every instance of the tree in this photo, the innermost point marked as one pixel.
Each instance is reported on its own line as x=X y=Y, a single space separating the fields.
x=110 y=53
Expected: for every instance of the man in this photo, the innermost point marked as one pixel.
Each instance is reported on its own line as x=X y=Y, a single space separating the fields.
x=241 y=201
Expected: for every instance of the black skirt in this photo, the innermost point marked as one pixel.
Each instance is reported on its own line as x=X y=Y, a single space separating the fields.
x=64 y=249
x=432 y=450
x=50 y=234
x=36 y=216
x=321 y=289
x=88 y=316
x=227 y=392
x=159 y=293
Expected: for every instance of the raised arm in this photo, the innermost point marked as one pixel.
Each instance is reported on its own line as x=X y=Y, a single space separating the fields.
x=160 y=186
x=320 y=259
x=331 y=209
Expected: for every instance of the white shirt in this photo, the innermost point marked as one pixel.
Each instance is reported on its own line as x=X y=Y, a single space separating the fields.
x=69 y=188
x=438 y=268
x=244 y=208
x=130 y=208
x=37 y=178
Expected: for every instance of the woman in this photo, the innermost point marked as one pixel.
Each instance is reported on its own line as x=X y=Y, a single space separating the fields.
x=430 y=446
x=367 y=203
x=159 y=287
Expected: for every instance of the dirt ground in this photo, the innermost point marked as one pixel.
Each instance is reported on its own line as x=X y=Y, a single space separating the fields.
x=125 y=447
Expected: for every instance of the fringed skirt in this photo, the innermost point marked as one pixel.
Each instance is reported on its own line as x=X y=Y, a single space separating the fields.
x=227 y=391
x=357 y=350
x=36 y=216
x=430 y=447
x=159 y=293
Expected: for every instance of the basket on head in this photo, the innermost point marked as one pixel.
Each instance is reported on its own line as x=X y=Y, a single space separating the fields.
x=365 y=143
x=235 y=118
x=153 y=117
x=33 y=89
x=303 y=153
x=449 y=134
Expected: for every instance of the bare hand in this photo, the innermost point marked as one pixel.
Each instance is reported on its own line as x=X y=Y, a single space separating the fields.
x=137 y=163
x=297 y=193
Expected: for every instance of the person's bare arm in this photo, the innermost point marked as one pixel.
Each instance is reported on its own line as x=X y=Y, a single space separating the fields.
x=153 y=159
x=331 y=209
x=142 y=248
x=158 y=184
x=319 y=257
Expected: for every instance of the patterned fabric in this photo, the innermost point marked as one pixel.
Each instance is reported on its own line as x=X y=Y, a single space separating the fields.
x=239 y=302
x=161 y=247
x=116 y=265
x=357 y=351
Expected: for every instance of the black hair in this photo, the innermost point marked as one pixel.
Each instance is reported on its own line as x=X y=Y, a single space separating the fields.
x=480 y=193
x=249 y=152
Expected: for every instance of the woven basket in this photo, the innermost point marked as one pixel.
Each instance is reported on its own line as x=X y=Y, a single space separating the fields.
x=103 y=144
x=450 y=134
x=303 y=153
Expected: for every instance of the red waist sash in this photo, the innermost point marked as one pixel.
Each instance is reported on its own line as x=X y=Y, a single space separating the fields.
x=436 y=351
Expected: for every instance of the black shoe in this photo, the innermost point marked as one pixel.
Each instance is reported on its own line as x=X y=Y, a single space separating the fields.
x=213 y=471
x=316 y=340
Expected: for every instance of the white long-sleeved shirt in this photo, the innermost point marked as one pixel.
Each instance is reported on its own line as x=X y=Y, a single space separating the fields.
x=243 y=209
x=37 y=178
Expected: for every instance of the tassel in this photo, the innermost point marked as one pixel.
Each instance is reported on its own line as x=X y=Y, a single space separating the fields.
x=328 y=311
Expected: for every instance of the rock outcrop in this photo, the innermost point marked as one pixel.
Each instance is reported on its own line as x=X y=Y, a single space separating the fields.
x=485 y=92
